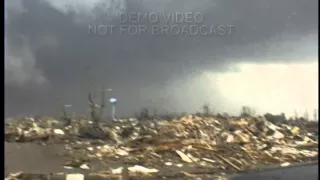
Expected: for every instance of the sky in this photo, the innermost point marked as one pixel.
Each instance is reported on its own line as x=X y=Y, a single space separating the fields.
x=267 y=59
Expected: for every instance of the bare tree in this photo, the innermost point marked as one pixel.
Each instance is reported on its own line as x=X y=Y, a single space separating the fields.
x=315 y=114
x=93 y=112
x=247 y=111
x=92 y=106
x=65 y=116
x=306 y=115
x=296 y=116
x=102 y=101
x=144 y=114
x=206 y=109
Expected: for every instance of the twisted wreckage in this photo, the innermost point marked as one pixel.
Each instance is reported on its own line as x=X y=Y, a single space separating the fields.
x=188 y=147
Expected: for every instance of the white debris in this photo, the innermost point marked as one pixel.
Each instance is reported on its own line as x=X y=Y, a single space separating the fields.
x=278 y=135
x=136 y=134
x=132 y=119
x=90 y=148
x=230 y=138
x=99 y=155
x=121 y=152
x=183 y=156
x=75 y=177
x=194 y=159
x=142 y=169
x=58 y=131
x=179 y=165
x=168 y=163
x=285 y=164
x=272 y=126
x=68 y=167
x=106 y=146
x=84 y=166
x=30 y=119
x=106 y=149
x=135 y=169
x=117 y=171
x=208 y=160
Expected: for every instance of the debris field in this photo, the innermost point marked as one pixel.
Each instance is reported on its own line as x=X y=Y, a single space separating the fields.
x=187 y=147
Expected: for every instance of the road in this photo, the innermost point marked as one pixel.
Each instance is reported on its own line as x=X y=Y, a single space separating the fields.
x=298 y=172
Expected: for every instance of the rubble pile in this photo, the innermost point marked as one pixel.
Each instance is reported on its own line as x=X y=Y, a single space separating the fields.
x=195 y=142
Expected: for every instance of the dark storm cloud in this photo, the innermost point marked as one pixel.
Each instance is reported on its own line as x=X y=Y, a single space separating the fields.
x=54 y=60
